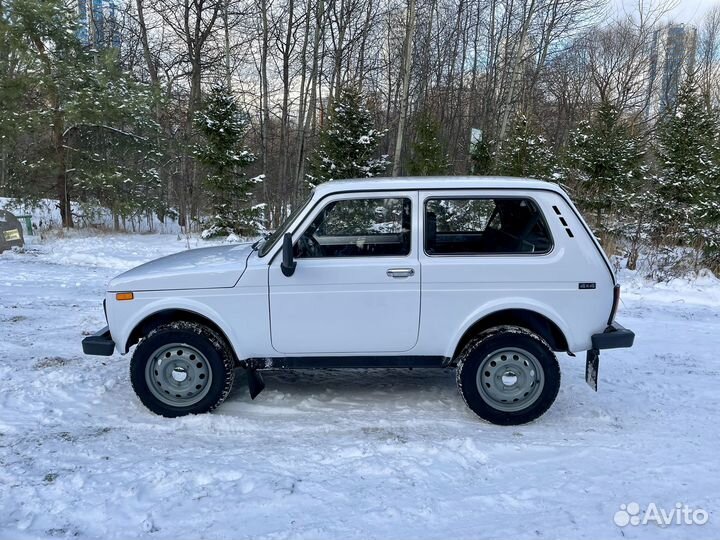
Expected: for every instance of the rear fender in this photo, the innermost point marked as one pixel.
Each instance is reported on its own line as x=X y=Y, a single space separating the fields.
x=512 y=303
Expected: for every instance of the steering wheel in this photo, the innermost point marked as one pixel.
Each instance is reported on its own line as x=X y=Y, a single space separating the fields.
x=309 y=246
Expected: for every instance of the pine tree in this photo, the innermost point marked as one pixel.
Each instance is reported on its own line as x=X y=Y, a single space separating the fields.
x=481 y=157
x=91 y=120
x=223 y=154
x=525 y=153
x=348 y=143
x=605 y=166
x=428 y=156
x=689 y=180
x=110 y=118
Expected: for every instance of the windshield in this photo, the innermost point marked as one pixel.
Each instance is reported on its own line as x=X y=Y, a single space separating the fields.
x=282 y=229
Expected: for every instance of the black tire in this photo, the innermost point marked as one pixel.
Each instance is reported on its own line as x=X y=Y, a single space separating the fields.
x=218 y=366
x=487 y=348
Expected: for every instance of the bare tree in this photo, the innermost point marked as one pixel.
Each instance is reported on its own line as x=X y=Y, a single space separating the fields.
x=709 y=58
x=407 y=57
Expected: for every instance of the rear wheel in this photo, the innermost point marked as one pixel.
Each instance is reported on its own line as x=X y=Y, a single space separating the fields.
x=508 y=375
x=182 y=368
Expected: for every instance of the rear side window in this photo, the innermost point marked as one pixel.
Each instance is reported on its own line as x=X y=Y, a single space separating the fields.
x=479 y=226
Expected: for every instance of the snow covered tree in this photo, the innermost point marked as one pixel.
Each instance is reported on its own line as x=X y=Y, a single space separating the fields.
x=428 y=156
x=223 y=127
x=688 y=155
x=88 y=119
x=524 y=153
x=116 y=152
x=605 y=167
x=481 y=157
x=348 y=145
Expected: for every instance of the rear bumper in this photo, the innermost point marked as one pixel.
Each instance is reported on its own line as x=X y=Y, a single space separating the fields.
x=615 y=336
x=99 y=344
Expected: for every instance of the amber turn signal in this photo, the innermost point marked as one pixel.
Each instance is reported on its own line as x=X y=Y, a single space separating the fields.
x=124 y=296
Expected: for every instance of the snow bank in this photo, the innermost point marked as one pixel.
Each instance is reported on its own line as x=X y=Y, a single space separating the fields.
x=703 y=289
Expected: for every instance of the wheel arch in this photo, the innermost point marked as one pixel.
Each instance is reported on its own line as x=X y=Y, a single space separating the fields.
x=529 y=319
x=167 y=315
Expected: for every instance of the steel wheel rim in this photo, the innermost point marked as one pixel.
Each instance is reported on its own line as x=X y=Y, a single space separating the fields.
x=510 y=379
x=178 y=375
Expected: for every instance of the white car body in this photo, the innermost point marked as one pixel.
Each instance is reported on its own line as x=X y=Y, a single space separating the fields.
x=351 y=307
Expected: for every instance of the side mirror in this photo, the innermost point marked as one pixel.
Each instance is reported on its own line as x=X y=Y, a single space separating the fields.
x=288 y=264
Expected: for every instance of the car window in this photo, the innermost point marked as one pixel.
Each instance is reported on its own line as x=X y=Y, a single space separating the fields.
x=358 y=228
x=476 y=226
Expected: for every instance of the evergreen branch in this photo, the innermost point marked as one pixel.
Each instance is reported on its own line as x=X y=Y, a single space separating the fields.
x=108 y=128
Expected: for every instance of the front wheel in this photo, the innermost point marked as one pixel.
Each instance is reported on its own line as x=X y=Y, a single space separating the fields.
x=508 y=375
x=182 y=368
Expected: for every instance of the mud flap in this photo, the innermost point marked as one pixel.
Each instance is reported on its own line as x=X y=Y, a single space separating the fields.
x=255 y=383
x=592 y=364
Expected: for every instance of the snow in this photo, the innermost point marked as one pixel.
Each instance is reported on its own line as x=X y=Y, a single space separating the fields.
x=703 y=290
x=351 y=454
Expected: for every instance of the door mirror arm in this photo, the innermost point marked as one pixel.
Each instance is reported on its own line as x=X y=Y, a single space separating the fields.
x=288 y=264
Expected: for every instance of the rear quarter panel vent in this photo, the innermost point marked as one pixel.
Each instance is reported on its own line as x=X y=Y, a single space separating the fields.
x=563 y=222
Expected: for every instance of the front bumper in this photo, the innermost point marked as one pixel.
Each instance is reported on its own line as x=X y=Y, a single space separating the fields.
x=99 y=344
x=615 y=336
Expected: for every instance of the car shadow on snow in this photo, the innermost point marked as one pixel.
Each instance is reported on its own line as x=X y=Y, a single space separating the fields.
x=360 y=380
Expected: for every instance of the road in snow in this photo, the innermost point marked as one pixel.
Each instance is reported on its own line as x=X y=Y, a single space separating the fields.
x=357 y=454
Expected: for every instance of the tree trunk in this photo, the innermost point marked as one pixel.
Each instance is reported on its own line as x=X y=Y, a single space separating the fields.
x=363 y=44
x=284 y=194
x=58 y=138
x=407 y=58
x=265 y=109
x=152 y=68
x=309 y=119
x=339 y=46
x=226 y=28
x=61 y=186
x=304 y=95
x=515 y=73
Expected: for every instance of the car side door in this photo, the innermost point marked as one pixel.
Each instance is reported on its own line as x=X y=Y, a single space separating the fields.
x=356 y=286
x=484 y=251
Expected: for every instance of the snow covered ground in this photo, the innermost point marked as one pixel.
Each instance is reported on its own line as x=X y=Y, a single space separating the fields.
x=343 y=454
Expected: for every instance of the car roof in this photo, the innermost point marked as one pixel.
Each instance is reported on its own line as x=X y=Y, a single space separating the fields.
x=434 y=182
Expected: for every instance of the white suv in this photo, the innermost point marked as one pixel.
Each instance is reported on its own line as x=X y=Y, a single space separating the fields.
x=488 y=275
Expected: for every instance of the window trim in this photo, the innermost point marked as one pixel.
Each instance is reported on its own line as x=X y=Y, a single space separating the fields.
x=494 y=254
x=561 y=193
x=380 y=196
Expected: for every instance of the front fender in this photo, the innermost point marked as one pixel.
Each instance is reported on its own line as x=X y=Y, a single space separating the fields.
x=502 y=304
x=125 y=316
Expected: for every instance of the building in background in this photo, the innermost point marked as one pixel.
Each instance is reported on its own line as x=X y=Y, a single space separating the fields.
x=671 y=59
x=98 y=23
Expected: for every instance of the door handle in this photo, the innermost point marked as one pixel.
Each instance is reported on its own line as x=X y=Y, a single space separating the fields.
x=400 y=272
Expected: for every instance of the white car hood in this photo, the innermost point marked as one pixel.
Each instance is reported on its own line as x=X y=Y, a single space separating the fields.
x=203 y=268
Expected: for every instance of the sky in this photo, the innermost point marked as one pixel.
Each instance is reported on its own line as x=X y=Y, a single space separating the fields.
x=685 y=11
